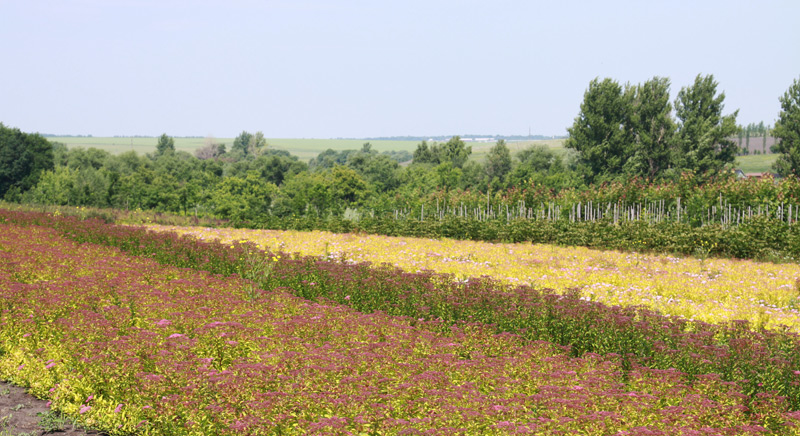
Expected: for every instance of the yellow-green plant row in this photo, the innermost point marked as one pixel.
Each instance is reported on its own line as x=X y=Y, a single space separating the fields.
x=706 y=289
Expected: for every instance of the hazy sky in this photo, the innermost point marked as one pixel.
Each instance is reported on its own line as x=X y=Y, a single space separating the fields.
x=326 y=69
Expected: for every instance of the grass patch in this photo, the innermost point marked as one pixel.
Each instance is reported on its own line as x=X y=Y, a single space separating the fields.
x=756 y=163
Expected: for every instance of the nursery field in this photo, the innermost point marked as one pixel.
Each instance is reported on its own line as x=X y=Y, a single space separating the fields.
x=706 y=289
x=137 y=332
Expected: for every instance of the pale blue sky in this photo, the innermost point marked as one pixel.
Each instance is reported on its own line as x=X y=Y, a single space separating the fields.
x=326 y=69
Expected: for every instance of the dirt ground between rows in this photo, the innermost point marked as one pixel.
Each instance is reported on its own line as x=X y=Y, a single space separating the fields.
x=22 y=414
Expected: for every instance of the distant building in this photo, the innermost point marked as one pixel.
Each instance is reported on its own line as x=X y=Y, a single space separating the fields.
x=478 y=139
x=758 y=176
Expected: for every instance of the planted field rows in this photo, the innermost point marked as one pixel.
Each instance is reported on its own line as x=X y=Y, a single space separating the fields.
x=710 y=290
x=127 y=344
x=134 y=346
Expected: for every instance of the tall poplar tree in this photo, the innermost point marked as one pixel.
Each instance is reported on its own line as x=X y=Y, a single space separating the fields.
x=599 y=134
x=498 y=162
x=787 y=132
x=165 y=145
x=652 y=128
x=703 y=138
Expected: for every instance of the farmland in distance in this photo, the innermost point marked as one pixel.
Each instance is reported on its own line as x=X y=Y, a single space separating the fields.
x=304 y=149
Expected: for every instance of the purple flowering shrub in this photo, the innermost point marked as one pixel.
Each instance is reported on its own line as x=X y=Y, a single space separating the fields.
x=128 y=344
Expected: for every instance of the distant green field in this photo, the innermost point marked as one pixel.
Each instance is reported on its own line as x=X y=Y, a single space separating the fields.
x=304 y=149
x=756 y=163
x=481 y=149
x=139 y=145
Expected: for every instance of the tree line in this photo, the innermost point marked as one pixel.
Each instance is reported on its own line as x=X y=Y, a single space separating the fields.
x=759 y=133
x=621 y=132
x=248 y=179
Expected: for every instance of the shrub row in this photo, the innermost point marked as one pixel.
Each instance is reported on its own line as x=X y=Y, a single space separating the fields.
x=761 y=238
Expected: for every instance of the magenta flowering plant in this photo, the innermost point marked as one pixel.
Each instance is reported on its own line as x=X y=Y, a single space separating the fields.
x=765 y=359
x=151 y=348
x=166 y=349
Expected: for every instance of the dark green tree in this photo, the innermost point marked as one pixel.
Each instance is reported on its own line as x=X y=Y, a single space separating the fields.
x=329 y=159
x=85 y=158
x=60 y=153
x=540 y=166
x=54 y=187
x=165 y=145
x=538 y=158
x=241 y=143
x=532 y=160
x=652 y=128
x=135 y=189
x=247 y=198
x=417 y=179
x=455 y=151
x=425 y=154
x=448 y=175
x=382 y=172
x=248 y=145
x=347 y=186
x=787 y=132
x=599 y=133
x=360 y=160
x=70 y=186
x=257 y=144
x=398 y=156
x=473 y=176
x=23 y=157
x=498 y=162
x=303 y=194
x=275 y=168
x=703 y=137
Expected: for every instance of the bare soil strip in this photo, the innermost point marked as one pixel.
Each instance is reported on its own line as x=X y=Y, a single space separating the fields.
x=23 y=414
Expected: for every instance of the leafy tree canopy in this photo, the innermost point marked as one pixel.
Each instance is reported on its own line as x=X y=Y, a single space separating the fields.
x=599 y=133
x=703 y=143
x=651 y=129
x=454 y=151
x=23 y=157
x=248 y=145
x=787 y=130
x=165 y=145
x=498 y=162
